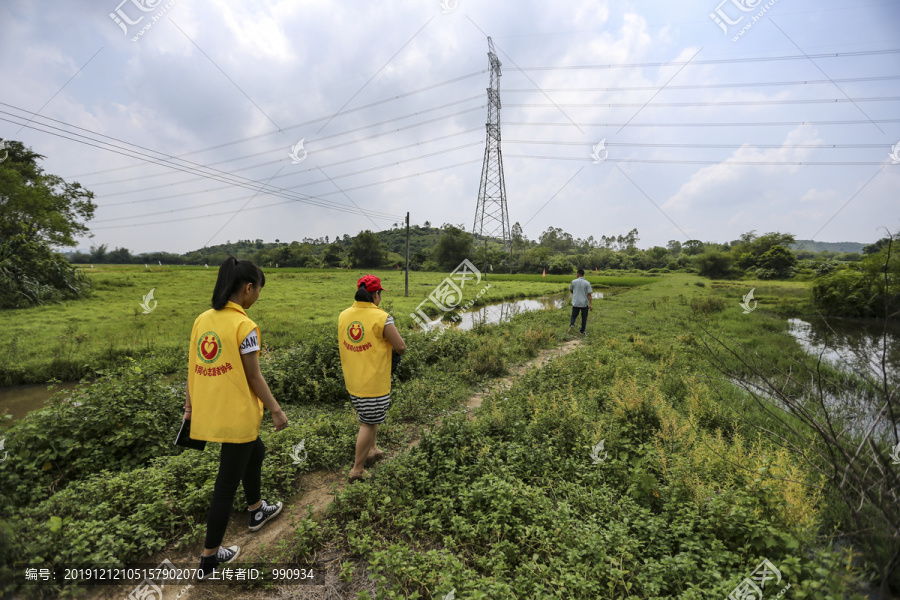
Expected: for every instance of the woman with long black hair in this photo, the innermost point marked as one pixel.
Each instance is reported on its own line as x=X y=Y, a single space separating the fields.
x=226 y=395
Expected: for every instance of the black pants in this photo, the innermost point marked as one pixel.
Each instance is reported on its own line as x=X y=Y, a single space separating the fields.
x=238 y=463
x=584 y=312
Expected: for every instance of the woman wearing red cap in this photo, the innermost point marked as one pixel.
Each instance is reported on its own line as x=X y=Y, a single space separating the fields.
x=366 y=336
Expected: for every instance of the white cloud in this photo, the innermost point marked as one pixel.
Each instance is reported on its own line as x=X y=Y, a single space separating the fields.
x=302 y=60
x=715 y=184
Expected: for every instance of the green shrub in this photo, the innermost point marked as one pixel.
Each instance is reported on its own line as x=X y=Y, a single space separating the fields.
x=714 y=264
x=858 y=290
x=119 y=422
x=114 y=518
x=425 y=351
x=487 y=358
x=533 y=339
x=31 y=274
x=514 y=506
x=427 y=396
x=561 y=266
x=707 y=304
x=309 y=372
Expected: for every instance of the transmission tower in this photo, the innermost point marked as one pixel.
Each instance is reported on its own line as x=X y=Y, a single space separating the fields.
x=491 y=217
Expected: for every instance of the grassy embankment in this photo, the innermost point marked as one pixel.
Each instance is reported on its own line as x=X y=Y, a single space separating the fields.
x=75 y=340
x=686 y=503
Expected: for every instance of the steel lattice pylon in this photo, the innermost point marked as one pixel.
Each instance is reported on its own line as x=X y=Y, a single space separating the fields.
x=491 y=217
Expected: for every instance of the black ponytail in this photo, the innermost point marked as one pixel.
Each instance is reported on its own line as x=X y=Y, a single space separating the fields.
x=363 y=295
x=233 y=274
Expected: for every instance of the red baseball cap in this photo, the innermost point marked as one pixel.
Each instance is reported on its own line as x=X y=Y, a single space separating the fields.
x=372 y=283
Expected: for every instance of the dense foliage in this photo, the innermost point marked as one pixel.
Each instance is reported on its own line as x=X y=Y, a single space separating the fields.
x=32 y=274
x=94 y=478
x=768 y=256
x=38 y=211
x=366 y=250
x=869 y=288
x=120 y=421
x=454 y=246
x=521 y=503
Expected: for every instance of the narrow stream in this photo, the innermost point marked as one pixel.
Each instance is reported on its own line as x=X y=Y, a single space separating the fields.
x=854 y=347
x=19 y=400
x=499 y=312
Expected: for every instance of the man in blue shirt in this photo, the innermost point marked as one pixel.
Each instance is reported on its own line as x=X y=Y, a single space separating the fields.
x=581 y=300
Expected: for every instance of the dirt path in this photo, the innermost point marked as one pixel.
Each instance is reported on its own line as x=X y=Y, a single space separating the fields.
x=505 y=383
x=317 y=491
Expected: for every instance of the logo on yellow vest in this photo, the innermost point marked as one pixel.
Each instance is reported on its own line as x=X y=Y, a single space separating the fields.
x=356 y=331
x=209 y=347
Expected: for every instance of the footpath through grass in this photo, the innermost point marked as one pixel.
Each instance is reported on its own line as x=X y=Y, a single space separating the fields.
x=683 y=501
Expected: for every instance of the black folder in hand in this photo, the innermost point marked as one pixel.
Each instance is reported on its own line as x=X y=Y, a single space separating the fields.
x=184 y=440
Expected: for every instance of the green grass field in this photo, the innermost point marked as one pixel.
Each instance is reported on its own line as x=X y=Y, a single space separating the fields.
x=510 y=505
x=71 y=341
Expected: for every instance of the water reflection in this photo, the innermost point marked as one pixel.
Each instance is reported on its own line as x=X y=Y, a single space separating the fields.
x=491 y=314
x=855 y=347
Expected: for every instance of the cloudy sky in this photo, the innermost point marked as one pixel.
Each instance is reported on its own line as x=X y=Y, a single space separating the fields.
x=685 y=120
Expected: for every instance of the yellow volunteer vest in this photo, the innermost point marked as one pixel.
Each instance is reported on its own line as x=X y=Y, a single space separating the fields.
x=365 y=354
x=225 y=409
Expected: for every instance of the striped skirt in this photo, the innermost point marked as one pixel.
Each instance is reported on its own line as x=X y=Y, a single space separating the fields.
x=371 y=411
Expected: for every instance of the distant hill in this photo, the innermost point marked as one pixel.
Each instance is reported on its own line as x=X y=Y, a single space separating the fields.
x=814 y=246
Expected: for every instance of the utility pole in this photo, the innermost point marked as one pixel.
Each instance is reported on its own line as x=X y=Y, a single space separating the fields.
x=407 y=255
x=491 y=217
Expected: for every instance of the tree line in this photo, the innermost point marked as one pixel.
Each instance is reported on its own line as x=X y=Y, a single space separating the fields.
x=40 y=212
x=767 y=256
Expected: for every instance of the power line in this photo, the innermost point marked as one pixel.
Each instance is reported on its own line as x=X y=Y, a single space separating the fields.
x=227 y=76
x=340 y=162
x=712 y=124
x=726 y=103
x=347 y=143
x=779 y=163
x=68 y=81
x=191 y=167
x=791 y=40
x=302 y=185
x=239 y=210
x=477 y=73
x=391 y=217
x=305 y=123
x=382 y=182
x=199 y=171
x=216 y=175
x=660 y=89
x=384 y=216
x=314 y=182
x=378 y=71
x=649 y=88
x=610 y=105
x=731 y=146
x=714 y=61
